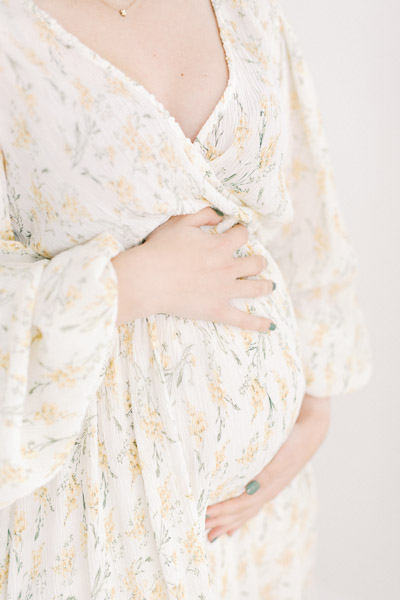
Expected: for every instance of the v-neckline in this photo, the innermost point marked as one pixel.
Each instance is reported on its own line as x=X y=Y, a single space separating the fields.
x=71 y=40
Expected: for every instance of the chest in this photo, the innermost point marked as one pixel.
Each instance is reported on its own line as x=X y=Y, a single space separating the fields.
x=172 y=48
x=88 y=148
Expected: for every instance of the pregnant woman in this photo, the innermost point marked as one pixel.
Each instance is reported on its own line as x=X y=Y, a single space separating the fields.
x=178 y=301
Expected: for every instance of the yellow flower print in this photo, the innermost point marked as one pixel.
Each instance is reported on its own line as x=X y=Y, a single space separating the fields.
x=92 y=499
x=257 y=397
x=83 y=536
x=134 y=463
x=329 y=374
x=41 y=495
x=43 y=204
x=250 y=454
x=165 y=497
x=23 y=137
x=268 y=432
x=46 y=33
x=4 y=571
x=268 y=152
x=36 y=562
x=212 y=152
x=29 y=99
x=117 y=87
x=217 y=393
x=297 y=168
x=242 y=132
x=193 y=547
x=36 y=336
x=320 y=333
x=49 y=413
x=286 y=558
x=321 y=245
x=103 y=462
x=254 y=49
x=165 y=360
x=110 y=377
x=135 y=141
x=126 y=192
x=66 y=377
x=131 y=584
x=109 y=529
x=73 y=491
x=74 y=209
x=138 y=529
x=85 y=97
x=168 y=153
x=65 y=562
x=4 y=358
x=152 y=424
x=158 y=592
x=198 y=424
x=19 y=523
x=162 y=207
x=152 y=327
x=220 y=456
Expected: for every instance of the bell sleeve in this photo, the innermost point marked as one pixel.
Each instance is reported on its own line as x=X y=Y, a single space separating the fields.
x=313 y=250
x=57 y=320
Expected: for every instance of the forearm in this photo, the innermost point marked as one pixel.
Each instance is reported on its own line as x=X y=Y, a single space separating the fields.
x=306 y=437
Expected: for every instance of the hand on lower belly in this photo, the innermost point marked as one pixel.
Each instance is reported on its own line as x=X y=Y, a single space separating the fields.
x=306 y=436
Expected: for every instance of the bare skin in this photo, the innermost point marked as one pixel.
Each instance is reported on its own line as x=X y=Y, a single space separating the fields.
x=173 y=48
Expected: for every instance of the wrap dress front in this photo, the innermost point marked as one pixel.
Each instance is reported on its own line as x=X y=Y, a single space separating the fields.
x=113 y=440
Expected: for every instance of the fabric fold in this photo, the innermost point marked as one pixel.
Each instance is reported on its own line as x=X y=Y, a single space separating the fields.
x=313 y=250
x=58 y=325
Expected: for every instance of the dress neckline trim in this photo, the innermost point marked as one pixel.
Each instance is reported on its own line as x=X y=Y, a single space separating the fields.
x=70 y=40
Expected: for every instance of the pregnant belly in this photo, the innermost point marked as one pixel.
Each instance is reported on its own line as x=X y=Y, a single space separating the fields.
x=228 y=397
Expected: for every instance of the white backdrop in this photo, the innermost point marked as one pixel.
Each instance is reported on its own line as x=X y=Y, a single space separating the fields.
x=353 y=50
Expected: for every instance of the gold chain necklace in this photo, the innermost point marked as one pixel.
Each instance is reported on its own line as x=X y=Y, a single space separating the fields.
x=121 y=11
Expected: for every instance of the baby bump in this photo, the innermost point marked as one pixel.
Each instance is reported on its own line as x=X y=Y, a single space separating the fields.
x=233 y=394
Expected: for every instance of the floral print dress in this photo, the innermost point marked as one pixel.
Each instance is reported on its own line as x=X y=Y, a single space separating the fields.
x=113 y=440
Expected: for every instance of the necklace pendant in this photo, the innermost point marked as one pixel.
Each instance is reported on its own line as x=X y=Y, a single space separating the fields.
x=122 y=12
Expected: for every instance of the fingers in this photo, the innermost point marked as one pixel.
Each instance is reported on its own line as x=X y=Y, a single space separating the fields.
x=229 y=522
x=205 y=216
x=249 y=265
x=237 y=235
x=238 y=318
x=251 y=288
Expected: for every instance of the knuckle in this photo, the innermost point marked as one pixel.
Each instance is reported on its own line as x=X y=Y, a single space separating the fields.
x=262 y=287
x=260 y=262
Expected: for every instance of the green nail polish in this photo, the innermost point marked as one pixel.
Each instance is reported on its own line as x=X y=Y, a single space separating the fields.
x=214 y=539
x=273 y=285
x=252 y=486
x=219 y=212
x=272 y=326
x=207 y=516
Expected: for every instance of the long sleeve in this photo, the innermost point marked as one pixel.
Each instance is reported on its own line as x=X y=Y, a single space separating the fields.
x=57 y=320
x=314 y=251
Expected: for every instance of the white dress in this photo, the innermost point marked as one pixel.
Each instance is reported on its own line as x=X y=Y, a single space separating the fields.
x=113 y=440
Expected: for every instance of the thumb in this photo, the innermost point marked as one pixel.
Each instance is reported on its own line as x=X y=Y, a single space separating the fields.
x=205 y=216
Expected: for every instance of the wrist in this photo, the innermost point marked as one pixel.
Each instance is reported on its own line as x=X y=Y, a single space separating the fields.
x=135 y=296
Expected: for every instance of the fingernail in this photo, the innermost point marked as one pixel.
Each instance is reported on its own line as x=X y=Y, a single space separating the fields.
x=207 y=516
x=219 y=212
x=252 y=487
x=214 y=539
x=272 y=326
x=273 y=285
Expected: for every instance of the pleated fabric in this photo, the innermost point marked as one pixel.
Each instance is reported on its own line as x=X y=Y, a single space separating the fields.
x=114 y=440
